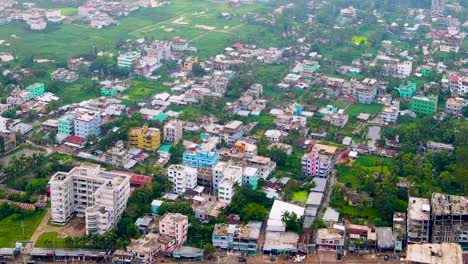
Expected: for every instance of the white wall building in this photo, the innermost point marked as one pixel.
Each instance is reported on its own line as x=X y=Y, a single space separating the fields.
x=232 y=175
x=182 y=177
x=86 y=190
x=87 y=123
x=173 y=131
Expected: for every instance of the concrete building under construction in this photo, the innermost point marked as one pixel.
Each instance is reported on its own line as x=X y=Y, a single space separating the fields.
x=449 y=217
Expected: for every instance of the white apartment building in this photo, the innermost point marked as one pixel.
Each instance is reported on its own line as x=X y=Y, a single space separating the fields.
x=454 y=106
x=232 y=175
x=404 y=69
x=175 y=226
x=217 y=174
x=87 y=123
x=87 y=190
x=339 y=119
x=182 y=177
x=389 y=114
x=173 y=131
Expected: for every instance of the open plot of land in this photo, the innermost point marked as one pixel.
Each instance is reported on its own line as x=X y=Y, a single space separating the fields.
x=15 y=227
x=348 y=176
x=49 y=240
x=372 y=109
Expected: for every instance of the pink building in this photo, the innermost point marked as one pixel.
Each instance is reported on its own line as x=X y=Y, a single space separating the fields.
x=175 y=226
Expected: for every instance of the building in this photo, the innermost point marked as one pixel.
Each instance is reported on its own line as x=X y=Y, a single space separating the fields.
x=319 y=162
x=145 y=138
x=454 y=106
x=245 y=147
x=459 y=84
x=9 y=141
x=66 y=125
x=117 y=156
x=179 y=44
x=385 y=239
x=175 y=226
x=390 y=114
x=438 y=7
x=432 y=146
x=182 y=177
x=250 y=177
x=330 y=239
x=87 y=123
x=399 y=230
x=235 y=237
x=407 y=90
x=232 y=175
x=87 y=190
x=36 y=89
x=188 y=63
x=367 y=91
x=126 y=60
x=201 y=156
x=449 y=216
x=146 y=249
x=275 y=222
x=280 y=242
x=434 y=254
x=264 y=165
x=232 y=132
x=172 y=131
x=339 y=119
x=424 y=105
x=418 y=221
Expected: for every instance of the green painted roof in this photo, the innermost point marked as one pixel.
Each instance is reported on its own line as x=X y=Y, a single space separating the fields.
x=161 y=117
x=165 y=148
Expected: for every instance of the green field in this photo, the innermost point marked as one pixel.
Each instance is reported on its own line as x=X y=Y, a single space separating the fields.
x=347 y=175
x=12 y=227
x=300 y=196
x=69 y=11
x=49 y=240
x=198 y=21
x=372 y=109
x=357 y=40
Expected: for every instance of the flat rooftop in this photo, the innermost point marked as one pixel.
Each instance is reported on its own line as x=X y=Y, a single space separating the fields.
x=434 y=253
x=418 y=209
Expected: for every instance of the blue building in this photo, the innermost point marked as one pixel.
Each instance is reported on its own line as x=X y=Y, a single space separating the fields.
x=201 y=156
x=237 y=237
x=155 y=206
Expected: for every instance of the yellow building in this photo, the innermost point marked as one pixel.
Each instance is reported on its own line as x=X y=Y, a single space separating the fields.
x=144 y=138
x=188 y=63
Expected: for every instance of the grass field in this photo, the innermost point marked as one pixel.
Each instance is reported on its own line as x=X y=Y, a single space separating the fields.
x=347 y=175
x=357 y=40
x=69 y=11
x=195 y=20
x=372 y=109
x=300 y=196
x=11 y=228
x=49 y=240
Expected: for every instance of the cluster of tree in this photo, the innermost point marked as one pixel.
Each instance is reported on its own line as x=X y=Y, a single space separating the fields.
x=292 y=222
x=7 y=210
x=108 y=241
x=19 y=165
x=249 y=204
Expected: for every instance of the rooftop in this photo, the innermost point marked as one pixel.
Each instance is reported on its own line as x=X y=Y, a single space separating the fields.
x=435 y=253
x=418 y=209
x=445 y=204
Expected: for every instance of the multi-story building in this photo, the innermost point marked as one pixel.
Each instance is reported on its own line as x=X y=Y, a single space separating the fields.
x=182 y=177
x=399 y=229
x=89 y=191
x=319 y=162
x=247 y=148
x=339 y=119
x=188 y=63
x=87 y=123
x=201 y=156
x=250 y=177
x=454 y=106
x=459 y=84
x=243 y=238
x=438 y=7
x=449 y=216
x=404 y=69
x=390 y=114
x=9 y=140
x=65 y=125
x=145 y=138
x=418 y=221
x=117 y=156
x=36 y=89
x=264 y=165
x=232 y=132
x=173 y=131
x=367 y=91
x=179 y=44
x=407 y=90
x=146 y=249
x=330 y=239
x=232 y=175
x=432 y=146
x=126 y=60
x=217 y=174
x=425 y=105
x=175 y=226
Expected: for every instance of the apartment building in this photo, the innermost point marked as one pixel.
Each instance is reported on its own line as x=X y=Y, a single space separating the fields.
x=188 y=63
x=366 y=92
x=87 y=123
x=390 y=112
x=117 y=156
x=425 y=105
x=459 y=84
x=339 y=119
x=126 y=60
x=201 y=156
x=449 y=217
x=66 y=125
x=232 y=175
x=319 y=162
x=418 y=221
x=264 y=165
x=330 y=239
x=247 y=148
x=218 y=174
x=243 y=238
x=233 y=131
x=175 y=226
x=454 y=106
x=182 y=177
x=145 y=138
x=173 y=131
x=250 y=177
x=36 y=89
x=87 y=190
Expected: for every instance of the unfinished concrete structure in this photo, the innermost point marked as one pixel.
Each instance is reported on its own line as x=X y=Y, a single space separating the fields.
x=449 y=217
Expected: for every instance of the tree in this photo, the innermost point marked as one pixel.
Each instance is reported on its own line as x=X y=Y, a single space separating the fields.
x=176 y=153
x=197 y=70
x=254 y=212
x=177 y=206
x=36 y=186
x=292 y=222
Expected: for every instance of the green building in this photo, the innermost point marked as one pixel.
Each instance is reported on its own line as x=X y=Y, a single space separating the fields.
x=36 y=89
x=66 y=125
x=407 y=90
x=424 y=105
x=108 y=91
x=250 y=177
